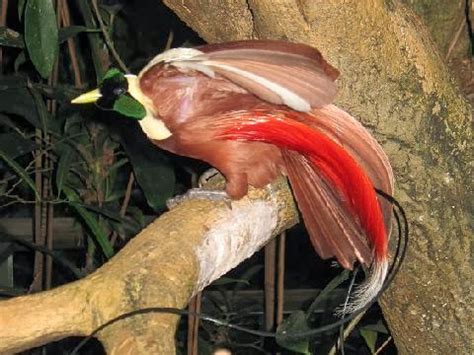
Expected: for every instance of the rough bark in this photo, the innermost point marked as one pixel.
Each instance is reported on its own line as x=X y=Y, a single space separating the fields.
x=450 y=24
x=163 y=266
x=446 y=21
x=394 y=80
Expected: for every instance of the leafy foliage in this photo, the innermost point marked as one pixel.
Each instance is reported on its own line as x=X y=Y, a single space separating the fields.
x=295 y=323
x=78 y=151
x=41 y=34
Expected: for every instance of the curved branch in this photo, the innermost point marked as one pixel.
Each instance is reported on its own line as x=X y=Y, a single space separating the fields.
x=176 y=256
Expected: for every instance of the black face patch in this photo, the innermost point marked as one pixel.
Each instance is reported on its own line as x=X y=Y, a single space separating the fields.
x=111 y=89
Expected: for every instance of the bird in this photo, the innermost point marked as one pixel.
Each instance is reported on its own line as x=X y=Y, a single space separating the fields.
x=256 y=110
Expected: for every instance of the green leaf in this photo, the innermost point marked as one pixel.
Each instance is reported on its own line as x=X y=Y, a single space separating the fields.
x=90 y=221
x=14 y=145
x=112 y=215
x=378 y=327
x=7 y=121
x=331 y=286
x=41 y=35
x=67 y=32
x=21 y=8
x=129 y=107
x=370 y=338
x=19 y=60
x=66 y=157
x=10 y=38
x=153 y=172
x=19 y=171
x=43 y=113
x=294 y=324
x=18 y=101
x=95 y=40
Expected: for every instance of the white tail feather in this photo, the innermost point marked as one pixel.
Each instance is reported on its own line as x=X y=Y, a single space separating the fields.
x=367 y=291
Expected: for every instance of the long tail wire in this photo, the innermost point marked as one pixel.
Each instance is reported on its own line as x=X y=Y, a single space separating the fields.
x=391 y=272
x=399 y=257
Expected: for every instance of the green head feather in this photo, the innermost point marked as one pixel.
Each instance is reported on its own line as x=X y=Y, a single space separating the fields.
x=115 y=96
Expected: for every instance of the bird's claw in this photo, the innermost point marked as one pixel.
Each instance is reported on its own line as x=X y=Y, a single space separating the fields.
x=206 y=176
x=199 y=194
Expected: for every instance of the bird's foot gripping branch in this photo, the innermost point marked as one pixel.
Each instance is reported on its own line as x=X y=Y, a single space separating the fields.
x=199 y=194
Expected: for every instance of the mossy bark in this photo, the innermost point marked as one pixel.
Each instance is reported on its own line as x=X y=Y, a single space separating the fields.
x=396 y=83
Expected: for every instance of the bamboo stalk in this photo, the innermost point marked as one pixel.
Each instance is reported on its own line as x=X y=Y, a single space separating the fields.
x=193 y=325
x=36 y=284
x=281 y=278
x=71 y=44
x=194 y=305
x=47 y=186
x=3 y=21
x=269 y=284
x=125 y=202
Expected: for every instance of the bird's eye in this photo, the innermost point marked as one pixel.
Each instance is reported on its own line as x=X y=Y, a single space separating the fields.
x=118 y=91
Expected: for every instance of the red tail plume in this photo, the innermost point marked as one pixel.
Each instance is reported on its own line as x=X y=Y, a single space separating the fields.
x=336 y=165
x=324 y=175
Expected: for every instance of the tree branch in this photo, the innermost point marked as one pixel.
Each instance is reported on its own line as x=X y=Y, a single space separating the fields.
x=176 y=256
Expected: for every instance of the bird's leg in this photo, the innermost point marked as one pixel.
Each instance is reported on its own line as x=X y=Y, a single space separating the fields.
x=200 y=193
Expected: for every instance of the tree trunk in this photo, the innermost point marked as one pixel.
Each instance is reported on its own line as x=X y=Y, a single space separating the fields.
x=395 y=81
x=176 y=256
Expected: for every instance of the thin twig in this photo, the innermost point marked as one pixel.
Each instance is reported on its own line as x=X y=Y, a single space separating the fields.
x=269 y=283
x=125 y=203
x=347 y=331
x=385 y=343
x=193 y=325
x=169 y=41
x=455 y=39
x=71 y=44
x=128 y=194
x=39 y=258
x=48 y=188
x=281 y=278
x=3 y=21
x=107 y=38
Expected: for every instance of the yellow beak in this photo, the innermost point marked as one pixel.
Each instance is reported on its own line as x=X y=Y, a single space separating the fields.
x=88 y=97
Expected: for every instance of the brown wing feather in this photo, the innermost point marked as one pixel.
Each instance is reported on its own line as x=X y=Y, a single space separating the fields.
x=276 y=71
x=307 y=81
x=348 y=132
x=332 y=229
x=284 y=47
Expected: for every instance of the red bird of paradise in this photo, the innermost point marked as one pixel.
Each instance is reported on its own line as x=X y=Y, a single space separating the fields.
x=256 y=110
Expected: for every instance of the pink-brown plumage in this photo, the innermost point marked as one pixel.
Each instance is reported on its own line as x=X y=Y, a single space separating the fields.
x=259 y=109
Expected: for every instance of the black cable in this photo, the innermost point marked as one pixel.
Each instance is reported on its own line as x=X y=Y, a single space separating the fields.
x=399 y=257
